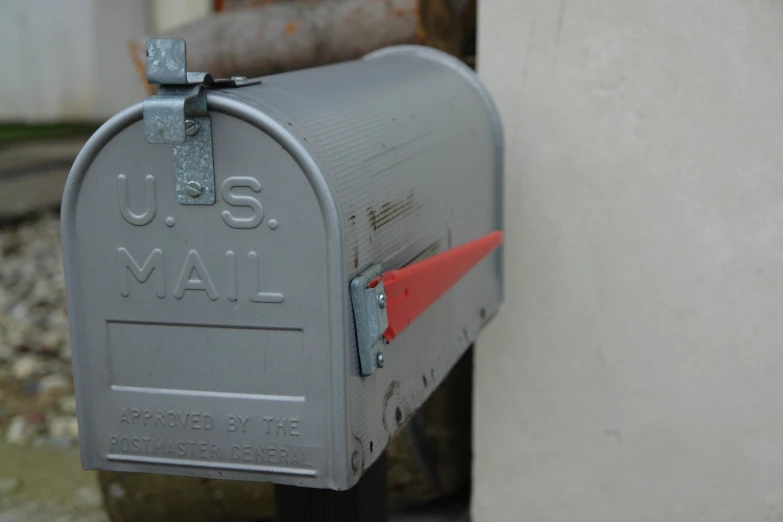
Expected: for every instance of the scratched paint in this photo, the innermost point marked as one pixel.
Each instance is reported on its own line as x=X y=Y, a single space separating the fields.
x=390 y=212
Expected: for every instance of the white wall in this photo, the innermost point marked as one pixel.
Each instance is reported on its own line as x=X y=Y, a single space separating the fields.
x=636 y=371
x=68 y=60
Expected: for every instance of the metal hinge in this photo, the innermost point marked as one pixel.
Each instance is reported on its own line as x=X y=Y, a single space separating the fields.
x=369 y=311
x=177 y=115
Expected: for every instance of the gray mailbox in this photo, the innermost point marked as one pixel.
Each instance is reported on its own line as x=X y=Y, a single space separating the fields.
x=266 y=278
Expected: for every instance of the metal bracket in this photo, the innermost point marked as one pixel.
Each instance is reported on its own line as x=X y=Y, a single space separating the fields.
x=177 y=115
x=369 y=312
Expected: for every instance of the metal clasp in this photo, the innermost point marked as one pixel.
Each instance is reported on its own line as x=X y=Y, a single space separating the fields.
x=177 y=115
x=371 y=319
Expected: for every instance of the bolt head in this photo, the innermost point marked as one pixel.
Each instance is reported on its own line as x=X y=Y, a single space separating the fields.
x=193 y=189
x=380 y=360
x=356 y=461
x=191 y=127
x=382 y=300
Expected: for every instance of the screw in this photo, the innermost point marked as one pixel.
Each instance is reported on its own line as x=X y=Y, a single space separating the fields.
x=380 y=360
x=356 y=461
x=193 y=189
x=382 y=300
x=191 y=127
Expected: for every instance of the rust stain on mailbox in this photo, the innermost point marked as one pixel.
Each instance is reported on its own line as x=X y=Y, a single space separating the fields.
x=391 y=211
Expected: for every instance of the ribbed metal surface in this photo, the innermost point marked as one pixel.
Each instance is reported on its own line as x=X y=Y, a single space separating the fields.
x=409 y=147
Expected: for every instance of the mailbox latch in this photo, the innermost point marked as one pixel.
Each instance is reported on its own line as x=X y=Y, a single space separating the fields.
x=177 y=115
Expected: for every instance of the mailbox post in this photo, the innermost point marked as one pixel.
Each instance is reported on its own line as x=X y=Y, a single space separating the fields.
x=365 y=502
x=267 y=278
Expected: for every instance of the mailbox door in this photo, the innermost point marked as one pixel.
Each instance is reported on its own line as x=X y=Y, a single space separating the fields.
x=201 y=333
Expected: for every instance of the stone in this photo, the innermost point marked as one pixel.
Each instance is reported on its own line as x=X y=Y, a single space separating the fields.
x=54 y=384
x=18 y=331
x=51 y=341
x=9 y=485
x=20 y=312
x=67 y=404
x=27 y=367
x=64 y=426
x=65 y=351
x=41 y=293
x=58 y=321
x=116 y=490
x=18 y=431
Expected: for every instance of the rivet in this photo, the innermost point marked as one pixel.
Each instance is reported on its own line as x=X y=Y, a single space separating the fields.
x=356 y=461
x=193 y=189
x=191 y=127
x=380 y=360
x=382 y=300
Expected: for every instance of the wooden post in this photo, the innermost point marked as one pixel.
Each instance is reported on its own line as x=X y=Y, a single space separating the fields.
x=287 y=35
x=365 y=502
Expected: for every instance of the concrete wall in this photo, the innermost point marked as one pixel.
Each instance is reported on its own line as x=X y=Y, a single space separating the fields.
x=636 y=371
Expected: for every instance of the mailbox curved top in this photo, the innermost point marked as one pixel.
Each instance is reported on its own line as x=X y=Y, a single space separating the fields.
x=242 y=105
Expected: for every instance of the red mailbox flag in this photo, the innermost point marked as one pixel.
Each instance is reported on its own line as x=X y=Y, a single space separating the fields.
x=412 y=289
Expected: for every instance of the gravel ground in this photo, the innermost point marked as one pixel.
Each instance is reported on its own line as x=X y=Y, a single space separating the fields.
x=39 y=484
x=36 y=389
x=40 y=476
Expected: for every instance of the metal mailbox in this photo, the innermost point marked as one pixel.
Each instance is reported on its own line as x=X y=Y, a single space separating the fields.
x=231 y=250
